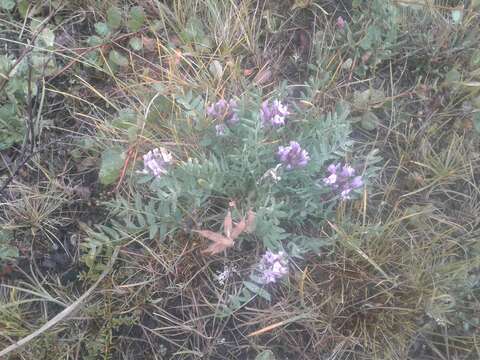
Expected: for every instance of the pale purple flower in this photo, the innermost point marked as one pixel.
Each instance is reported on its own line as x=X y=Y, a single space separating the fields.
x=293 y=156
x=272 y=267
x=330 y=180
x=357 y=182
x=340 y=23
x=343 y=178
x=224 y=110
x=344 y=194
x=273 y=114
x=333 y=168
x=156 y=161
x=347 y=171
x=220 y=129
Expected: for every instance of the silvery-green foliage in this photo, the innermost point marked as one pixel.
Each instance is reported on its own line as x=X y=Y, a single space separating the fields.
x=242 y=164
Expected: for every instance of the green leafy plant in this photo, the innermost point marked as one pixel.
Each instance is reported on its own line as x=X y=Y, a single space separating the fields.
x=241 y=164
x=369 y=43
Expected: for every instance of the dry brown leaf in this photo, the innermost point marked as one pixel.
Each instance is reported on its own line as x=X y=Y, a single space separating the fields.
x=250 y=221
x=238 y=229
x=228 y=224
x=231 y=230
x=214 y=248
x=220 y=242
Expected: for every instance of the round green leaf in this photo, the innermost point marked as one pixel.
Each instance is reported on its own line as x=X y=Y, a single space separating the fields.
x=102 y=29
x=476 y=121
x=7 y=4
x=114 y=17
x=265 y=355
x=136 y=18
x=117 y=58
x=46 y=38
x=112 y=163
x=369 y=121
x=135 y=43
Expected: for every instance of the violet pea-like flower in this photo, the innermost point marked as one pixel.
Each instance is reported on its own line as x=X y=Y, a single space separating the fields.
x=224 y=110
x=293 y=156
x=273 y=114
x=343 y=178
x=156 y=162
x=272 y=267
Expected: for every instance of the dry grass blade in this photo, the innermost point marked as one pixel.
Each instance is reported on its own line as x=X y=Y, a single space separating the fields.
x=62 y=315
x=276 y=325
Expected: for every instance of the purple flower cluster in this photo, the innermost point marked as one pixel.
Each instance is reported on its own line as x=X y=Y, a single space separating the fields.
x=273 y=114
x=272 y=267
x=224 y=110
x=343 y=178
x=156 y=161
x=293 y=156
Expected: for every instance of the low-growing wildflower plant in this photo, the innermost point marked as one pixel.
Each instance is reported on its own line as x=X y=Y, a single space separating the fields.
x=343 y=179
x=272 y=267
x=225 y=111
x=293 y=156
x=273 y=114
x=156 y=162
x=283 y=198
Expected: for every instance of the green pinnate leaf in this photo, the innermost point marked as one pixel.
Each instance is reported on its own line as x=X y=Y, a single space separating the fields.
x=12 y=128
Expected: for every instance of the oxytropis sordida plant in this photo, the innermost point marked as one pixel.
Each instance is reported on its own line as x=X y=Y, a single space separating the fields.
x=273 y=160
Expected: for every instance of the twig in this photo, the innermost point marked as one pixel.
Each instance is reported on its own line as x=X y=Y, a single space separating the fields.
x=65 y=313
x=31 y=123
x=131 y=154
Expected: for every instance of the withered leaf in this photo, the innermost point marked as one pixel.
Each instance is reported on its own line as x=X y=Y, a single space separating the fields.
x=250 y=221
x=231 y=231
x=228 y=224
x=220 y=242
x=238 y=229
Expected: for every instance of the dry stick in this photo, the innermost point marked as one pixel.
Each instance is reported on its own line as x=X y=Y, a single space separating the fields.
x=61 y=316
